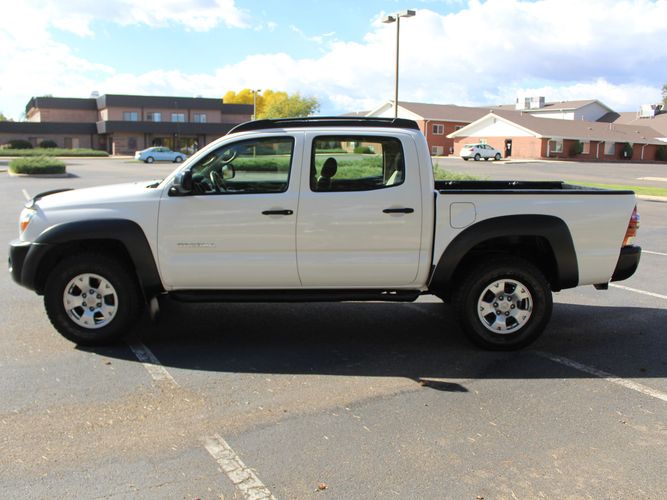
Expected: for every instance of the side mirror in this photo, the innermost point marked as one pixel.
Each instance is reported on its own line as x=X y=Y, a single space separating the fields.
x=182 y=184
x=228 y=171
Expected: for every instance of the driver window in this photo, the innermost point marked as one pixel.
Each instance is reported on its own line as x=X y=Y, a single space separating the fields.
x=253 y=166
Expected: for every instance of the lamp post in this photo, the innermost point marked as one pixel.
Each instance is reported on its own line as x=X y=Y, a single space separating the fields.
x=254 y=103
x=396 y=18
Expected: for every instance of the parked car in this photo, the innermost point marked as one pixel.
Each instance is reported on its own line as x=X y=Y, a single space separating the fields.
x=252 y=218
x=159 y=153
x=478 y=151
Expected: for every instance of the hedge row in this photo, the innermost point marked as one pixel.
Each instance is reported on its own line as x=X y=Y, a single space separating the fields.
x=37 y=165
x=52 y=152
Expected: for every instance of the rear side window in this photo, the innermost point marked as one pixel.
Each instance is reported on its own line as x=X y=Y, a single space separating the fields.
x=356 y=163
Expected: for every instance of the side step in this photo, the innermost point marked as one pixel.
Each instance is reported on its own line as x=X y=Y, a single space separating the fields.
x=294 y=295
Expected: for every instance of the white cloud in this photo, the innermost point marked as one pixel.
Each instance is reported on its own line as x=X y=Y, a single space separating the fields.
x=486 y=53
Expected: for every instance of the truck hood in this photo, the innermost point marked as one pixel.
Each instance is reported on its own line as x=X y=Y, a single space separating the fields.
x=97 y=196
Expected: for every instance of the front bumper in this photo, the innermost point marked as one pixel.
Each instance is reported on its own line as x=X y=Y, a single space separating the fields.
x=17 y=252
x=627 y=263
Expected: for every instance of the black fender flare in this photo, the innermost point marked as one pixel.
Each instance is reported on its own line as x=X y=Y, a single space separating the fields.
x=128 y=233
x=553 y=229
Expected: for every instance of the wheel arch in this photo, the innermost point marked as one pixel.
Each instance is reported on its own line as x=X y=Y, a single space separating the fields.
x=123 y=239
x=543 y=240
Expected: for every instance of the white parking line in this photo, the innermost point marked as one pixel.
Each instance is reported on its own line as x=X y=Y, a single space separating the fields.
x=239 y=473
x=150 y=362
x=635 y=290
x=660 y=179
x=628 y=384
x=654 y=253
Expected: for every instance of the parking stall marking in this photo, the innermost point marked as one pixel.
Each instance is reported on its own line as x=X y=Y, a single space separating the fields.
x=150 y=362
x=245 y=480
x=654 y=253
x=635 y=290
x=628 y=384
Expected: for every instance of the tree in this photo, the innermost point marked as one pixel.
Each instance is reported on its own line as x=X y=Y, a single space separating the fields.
x=272 y=104
x=664 y=94
x=3 y=118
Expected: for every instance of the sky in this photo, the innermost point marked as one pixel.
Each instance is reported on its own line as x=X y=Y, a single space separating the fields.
x=465 y=52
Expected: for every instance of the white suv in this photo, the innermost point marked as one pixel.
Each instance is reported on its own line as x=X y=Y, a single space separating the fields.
x=477 y=151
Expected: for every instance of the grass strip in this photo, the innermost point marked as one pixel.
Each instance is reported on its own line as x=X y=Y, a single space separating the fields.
x=639 y=190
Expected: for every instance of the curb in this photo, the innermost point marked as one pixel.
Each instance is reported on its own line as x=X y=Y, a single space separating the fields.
x=41 y=176
x=660 y=199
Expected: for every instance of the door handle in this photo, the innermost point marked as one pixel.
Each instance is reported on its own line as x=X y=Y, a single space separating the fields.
x=277 y=212
x=398 y=210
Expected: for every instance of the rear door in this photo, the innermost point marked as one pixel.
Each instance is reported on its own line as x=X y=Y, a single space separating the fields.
x=359 y=221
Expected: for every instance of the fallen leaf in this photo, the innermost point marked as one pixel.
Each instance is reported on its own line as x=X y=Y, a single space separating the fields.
x=322 y=486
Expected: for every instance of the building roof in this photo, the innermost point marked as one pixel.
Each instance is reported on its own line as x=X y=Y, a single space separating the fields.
x=658 y=122
x=49 y=102
x=442 y=112
x=553 y=106
x=571 y=129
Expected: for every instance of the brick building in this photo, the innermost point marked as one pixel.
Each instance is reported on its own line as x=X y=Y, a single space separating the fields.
x=522 y=135
x=123 y=124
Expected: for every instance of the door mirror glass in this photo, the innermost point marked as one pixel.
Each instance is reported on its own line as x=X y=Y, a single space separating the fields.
x=182 y=184
x=228 y=171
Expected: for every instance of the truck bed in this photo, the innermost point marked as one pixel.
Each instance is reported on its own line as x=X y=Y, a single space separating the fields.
x=516 y=187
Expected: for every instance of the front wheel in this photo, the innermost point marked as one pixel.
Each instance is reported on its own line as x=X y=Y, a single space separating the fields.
x=466 y=158
x=150 y=159
x=92 y=299
x=497 y=157
x=504 y=304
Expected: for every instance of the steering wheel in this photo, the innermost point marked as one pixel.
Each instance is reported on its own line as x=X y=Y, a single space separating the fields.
x=233 y=155
x=217 y=181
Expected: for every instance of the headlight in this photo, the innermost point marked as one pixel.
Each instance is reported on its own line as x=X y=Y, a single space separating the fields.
x=26 y=216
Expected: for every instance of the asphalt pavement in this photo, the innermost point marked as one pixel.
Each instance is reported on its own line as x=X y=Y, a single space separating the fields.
x=351 y=400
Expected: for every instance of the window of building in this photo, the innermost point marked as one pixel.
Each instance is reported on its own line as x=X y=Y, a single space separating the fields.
x=458 y=127
x=438 y=129
x=610 y=148
x=437 y=150
x=132 y=143
x=154 y=116
x=130 y=116
x=373 y=163
x=200 y=117
x=178 y=117
x=556 y=145
x=245 y=167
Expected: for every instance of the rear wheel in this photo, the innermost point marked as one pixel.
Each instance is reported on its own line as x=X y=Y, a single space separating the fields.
x=178 y=159
x=466 y=158
x=504 y=304
x=92 y=299
x=477 y=157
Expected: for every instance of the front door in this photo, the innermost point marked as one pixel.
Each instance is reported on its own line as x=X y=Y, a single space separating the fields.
x=238 y=229
x=360 y=214
x=508 y=148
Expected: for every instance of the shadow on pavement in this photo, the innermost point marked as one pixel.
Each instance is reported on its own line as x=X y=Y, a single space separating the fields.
x=419 y=341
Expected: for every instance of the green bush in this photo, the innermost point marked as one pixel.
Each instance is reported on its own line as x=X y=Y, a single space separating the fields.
x=48 y=144
x=19 y=144
x=37 y=165
x=363 y=150
x=52 y=152
x=661 y=153
x=576 y=148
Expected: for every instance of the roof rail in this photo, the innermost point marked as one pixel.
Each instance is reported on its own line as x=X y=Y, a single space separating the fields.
x=326 y=121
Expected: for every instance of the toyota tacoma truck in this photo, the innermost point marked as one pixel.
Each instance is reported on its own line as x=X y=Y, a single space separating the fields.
x=321 y=209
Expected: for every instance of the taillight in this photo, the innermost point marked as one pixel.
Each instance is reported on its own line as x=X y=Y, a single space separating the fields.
x=633 y=225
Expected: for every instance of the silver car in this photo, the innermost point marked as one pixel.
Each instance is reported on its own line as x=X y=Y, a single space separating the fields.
x=478 y=151
x=159 y=153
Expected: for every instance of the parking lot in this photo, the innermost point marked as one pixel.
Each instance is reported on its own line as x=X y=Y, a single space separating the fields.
x=350 y=400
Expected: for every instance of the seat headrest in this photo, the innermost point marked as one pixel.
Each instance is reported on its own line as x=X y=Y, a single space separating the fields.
x=329 y=168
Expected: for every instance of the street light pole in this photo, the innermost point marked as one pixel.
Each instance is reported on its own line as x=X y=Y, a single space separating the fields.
x=254 y=103
x=397 y=19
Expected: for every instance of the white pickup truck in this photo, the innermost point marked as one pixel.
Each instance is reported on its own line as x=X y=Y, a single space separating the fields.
x=321 y=209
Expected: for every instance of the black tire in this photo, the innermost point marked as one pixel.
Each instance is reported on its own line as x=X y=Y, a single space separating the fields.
x=123 y=297
x=477 y=157
x=470 y=300
x=466 y=159
x=497 y=157
x=150 y=159
x=486 y=158
x=178 y=159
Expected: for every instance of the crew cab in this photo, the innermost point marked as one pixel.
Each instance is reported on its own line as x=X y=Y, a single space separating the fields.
x=286 y=210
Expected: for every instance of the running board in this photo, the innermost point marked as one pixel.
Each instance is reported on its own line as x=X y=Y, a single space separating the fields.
x=294 y=295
